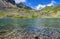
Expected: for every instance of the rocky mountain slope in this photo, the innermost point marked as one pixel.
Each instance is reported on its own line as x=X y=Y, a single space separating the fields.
x=21 y=5
x=11 y=3
x=6 y=3
x=22 y=11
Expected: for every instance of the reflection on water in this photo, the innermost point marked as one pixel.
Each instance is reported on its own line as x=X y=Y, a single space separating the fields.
x=34 y=23
x=43 y=26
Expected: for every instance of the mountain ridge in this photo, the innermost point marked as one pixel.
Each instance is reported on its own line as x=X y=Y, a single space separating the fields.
x=6 y=3
x=12 y=4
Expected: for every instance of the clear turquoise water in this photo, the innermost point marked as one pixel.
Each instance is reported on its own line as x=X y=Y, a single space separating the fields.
x=18 y=23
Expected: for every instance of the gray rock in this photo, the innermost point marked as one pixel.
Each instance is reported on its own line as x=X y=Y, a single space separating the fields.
x=6 y=3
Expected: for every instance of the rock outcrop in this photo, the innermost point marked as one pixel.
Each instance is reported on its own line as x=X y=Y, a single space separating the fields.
x=6 y=3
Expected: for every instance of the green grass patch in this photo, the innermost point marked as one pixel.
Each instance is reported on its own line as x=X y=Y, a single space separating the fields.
x=2 y=14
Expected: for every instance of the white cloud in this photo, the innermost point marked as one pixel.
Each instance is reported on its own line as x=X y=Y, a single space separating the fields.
x=18 y=1
x=40 y=6
x=51 y=4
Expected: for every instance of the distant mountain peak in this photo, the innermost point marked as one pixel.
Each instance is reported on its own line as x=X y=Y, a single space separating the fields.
x=22 y=5
x=11 y=3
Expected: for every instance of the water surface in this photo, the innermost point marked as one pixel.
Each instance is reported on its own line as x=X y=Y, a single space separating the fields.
x=18 y=23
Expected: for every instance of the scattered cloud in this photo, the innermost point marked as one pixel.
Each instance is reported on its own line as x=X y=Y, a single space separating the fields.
x=18 y=1
x=51 y=4
x=40 y=6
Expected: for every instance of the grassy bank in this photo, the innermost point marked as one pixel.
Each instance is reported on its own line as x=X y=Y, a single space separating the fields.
x=47 y=12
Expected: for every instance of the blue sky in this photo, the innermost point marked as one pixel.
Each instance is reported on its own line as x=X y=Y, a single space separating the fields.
x=37 y=4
